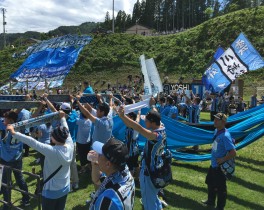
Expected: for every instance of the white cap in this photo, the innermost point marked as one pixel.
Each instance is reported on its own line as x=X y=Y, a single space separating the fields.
x=98 y=147
x=65 y=106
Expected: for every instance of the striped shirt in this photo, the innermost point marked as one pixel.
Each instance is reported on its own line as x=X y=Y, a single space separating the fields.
x=117 y=192
x=132 y=142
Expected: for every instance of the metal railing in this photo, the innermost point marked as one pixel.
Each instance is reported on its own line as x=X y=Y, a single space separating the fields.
x=9 y=187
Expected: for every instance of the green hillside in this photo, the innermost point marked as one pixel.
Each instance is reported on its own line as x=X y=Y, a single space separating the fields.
x=114 y=56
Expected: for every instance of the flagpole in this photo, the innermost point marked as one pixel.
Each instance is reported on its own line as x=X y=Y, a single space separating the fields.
x=113 y=21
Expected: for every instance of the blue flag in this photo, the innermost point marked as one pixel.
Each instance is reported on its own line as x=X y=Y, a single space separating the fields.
x=240 y=58
x=51 y=59
x=206 y=77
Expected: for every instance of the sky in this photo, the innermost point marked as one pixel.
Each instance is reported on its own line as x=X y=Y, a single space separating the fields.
x=45 y=15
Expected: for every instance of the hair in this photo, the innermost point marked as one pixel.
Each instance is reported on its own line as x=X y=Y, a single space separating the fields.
x=129 y=100
x=170 y=100
x=104 y=108
x=116 y=103
x=154 y=116
x=162 y=99
x=86 y=83
x=133 y=115
x=197 y=99
x=11 y=115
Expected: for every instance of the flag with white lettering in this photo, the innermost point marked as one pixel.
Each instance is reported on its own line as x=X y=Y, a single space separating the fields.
x=208 y=74
x=240 y=58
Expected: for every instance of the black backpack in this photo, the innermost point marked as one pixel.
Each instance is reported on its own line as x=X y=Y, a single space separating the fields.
x=162 y=175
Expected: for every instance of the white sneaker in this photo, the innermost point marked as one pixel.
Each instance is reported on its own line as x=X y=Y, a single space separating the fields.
x=37 y=161
x=164 y=203
x=92 y=194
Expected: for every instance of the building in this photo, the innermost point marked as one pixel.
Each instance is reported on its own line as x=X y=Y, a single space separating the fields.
x=139 y=29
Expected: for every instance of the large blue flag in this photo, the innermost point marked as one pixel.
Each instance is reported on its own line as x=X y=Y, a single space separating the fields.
x=240 y=58
x=206 y=77
x=51 y=59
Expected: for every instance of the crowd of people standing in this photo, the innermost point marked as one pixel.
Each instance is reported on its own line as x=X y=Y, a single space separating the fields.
x=114 y=165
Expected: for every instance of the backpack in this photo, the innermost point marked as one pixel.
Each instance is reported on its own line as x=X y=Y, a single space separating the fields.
x=228 y=167
x=162 y=174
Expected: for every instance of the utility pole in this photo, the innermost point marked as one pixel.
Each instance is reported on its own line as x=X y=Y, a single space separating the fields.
x=113 y=21
x=4 y=24
x=173 y=21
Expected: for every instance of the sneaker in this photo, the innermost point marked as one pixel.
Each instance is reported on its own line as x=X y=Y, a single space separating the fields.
x=92 y=194
x=37 y=161
x=206 y=203
x=88 y=202
x=82 y=171
x=164 y=203
x=25 y=203
x=75 y=186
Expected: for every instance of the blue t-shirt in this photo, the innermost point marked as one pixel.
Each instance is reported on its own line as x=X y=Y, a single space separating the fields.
x=72 y=124
x=171 y=111
x=214 y=105
x=24 y=115
x=253 y=101
x=222 y=144
x=84 y=131
x=11 y=149
x=161 y=107
x=46 y=131
x=89 y=89
x=193 y=113
x=102 y=129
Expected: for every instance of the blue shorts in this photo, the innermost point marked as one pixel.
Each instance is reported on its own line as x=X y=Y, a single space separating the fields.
x=149 y=192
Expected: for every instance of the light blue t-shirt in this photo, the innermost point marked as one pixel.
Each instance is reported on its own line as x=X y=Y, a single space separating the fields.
x=89 y=89
x=222 y=144
x=170 y=111
x=11 y=149
x=84 y=131
x=24 y=115
x=102 y=129
x=71 y=121
x=46 y=131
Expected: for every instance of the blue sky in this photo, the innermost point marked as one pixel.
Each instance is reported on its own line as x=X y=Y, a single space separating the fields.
x=45 y=15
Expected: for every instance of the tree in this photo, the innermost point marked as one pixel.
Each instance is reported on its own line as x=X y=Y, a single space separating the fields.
x=216 y=8
x=108 y=21
x=136 y=12
x=209 y=11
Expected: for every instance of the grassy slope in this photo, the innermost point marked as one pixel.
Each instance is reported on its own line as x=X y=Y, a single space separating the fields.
x=245 y=191
x=186 y=54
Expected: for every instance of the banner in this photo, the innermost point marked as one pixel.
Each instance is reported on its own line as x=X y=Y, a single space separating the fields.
x=152 y=82
x=208 y=74
x=147 y=85
x=169 y=88
x=51 y=59
x=240 y=58
x=154 y=77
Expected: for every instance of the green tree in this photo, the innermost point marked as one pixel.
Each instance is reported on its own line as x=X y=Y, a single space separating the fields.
x=108 y=21
x=136 y=12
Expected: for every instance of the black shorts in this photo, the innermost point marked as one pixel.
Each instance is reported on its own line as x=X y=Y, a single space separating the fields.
x=132 y=162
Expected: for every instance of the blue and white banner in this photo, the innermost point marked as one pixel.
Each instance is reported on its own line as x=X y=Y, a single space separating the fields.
x=152 y=82
x=154 y=77
x=51 y=59
x=240 y=58
x=147 y=85
x=209 y=73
